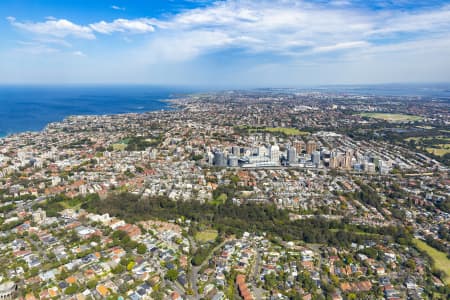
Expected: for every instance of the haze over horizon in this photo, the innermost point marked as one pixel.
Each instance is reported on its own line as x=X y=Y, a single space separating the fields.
x=224 y=43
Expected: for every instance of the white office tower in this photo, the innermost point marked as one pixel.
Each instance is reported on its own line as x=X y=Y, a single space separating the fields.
x=211 y=158
x=274 y=153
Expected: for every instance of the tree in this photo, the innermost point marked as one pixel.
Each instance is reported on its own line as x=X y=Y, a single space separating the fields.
x=34 y=237
x=270 y=281
x=117 y=270
x=71 y=289
x=141 y=249
x=352 y=296
x=130 y=265
x=51 y=256
x=172 y=275
x=34 y=272
x=328 y=288
x=334 y=280
x=91 y=284
x=410 y=263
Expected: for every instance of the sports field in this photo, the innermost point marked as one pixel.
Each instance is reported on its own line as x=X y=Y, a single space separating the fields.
x=285 y=130
x=392 y=117
x=440 y=259
x=206 y=236
x=439 y=147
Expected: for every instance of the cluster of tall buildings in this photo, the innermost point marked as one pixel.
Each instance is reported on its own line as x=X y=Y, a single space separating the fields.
x=296 y=154
x=246 y=157
x=338 y=160
x=262 y=156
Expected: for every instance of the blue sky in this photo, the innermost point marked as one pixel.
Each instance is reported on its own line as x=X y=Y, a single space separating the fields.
x=224 y=43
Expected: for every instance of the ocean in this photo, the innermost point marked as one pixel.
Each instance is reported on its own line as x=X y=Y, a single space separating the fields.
x=31 y=108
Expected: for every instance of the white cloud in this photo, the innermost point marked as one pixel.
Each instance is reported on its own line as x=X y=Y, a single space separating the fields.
x=278 y=27
x=288 y=27
x=342 y=46
x=115 y=7
x=142 y=25
x=185 y=47
x=63 y=28
x=79 y=53
x=340 y=3
x=293 y=33
x=283 y=27
x=57 y=28
x=417 y=22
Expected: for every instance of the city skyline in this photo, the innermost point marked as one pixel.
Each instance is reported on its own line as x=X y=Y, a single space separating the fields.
x=225 y=43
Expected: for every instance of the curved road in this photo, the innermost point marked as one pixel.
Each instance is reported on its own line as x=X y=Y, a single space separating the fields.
x=193 y=274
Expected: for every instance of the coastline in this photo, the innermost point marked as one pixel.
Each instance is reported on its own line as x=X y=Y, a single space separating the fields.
x=172 y=104
x=72 y=116
x=32 y=109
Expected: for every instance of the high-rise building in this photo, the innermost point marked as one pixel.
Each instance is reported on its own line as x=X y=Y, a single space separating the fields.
x=333 y=162
x=299 y=146
x=262 y=151
x=274 y=153
x=211 y=158
x=335 y=159
x=369 y=167
x=233 y=161
x=219 y=159
x=292 y=156
x=311 y=146
x=316 y=158
x=348 y=159
x=383 y=167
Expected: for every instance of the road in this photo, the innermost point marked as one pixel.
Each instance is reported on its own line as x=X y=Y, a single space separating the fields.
x=257 y=292
x=193 y=274
x=255 y=271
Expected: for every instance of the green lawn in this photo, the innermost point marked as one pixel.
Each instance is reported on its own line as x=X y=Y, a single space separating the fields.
x=206 y=235
x=439 y=150
x=283 y=130
x=355 y=231
x=286 y=130
x=392 y=117
x=70 y=205
x=119 y=147
x=440 y=260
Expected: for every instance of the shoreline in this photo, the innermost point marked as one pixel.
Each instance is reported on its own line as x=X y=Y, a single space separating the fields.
x=32 y=108
x=168 y=102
